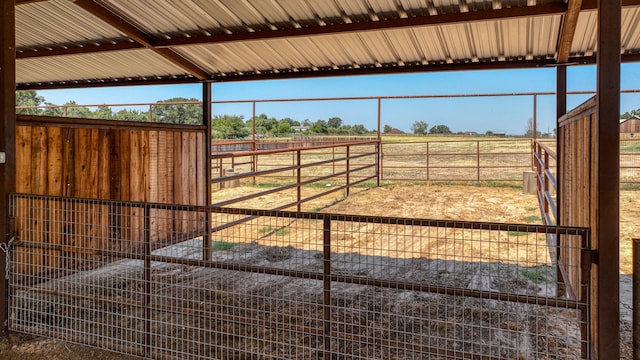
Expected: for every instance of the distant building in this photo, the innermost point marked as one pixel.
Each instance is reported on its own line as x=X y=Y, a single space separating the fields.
x=499 y=134
x=300 y=128
x=397 y=131
x=630 y=125
x=470 y=133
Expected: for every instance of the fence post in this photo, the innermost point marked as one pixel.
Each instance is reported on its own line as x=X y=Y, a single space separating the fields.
x=348 y=168
x=147 y=280
x=254 y=159
x=427 y=161
x=478 y=157
x=378 y=161
x=298 y=178
x=326 y=250
x=546 y=184
x=636 y=299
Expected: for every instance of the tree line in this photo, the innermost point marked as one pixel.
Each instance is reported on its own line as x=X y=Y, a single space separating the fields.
x=222 y=126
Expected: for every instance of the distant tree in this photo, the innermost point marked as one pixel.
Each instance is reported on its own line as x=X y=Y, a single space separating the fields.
x=419 y=127
x=489 y=133
x=53 y=110
x=440 y=129
x=529 y=129
x=629 y=114
x=75 y=111
x=265 y=124
x=320 y=127
x=387 y=129
x=178 y=113
x=359 y=129
x=28 y=98
x=228 y=127
x=334 y=122
x=284 y=127
x=131 y=115
x=103 y=112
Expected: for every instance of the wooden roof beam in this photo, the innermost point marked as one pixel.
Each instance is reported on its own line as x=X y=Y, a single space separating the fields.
x=382 y=24
x=568 y=30
x=68 y=49
x=139 y=36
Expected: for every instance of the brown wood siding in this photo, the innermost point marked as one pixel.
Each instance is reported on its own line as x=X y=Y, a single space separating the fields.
x=124 y=164
x=577 y=139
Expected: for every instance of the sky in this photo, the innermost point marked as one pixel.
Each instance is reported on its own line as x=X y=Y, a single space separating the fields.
x=507 y=114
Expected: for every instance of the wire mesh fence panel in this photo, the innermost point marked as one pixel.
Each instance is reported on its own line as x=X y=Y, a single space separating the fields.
x=149 y=280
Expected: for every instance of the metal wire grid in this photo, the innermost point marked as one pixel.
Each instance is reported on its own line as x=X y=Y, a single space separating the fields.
x=145 y=279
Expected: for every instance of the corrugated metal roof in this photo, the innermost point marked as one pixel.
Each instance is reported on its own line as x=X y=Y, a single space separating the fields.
x=232 y=38
x=140 y=63
x=59 y=22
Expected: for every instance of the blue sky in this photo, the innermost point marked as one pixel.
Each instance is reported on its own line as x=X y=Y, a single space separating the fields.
x=508 y=114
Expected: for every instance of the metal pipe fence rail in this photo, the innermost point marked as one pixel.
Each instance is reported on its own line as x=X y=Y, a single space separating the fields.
x=456 y=160
x=344 y=165
x=545 y=160
x=290 y=285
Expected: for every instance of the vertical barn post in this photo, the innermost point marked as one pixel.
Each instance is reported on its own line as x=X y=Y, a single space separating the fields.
x=206 y=118
x=379 y=117
x=605 y=308
x=561 y=109
x=636 y=299
x=326 y=250
x=7 y=141
x=147 y=280
x=298 y=178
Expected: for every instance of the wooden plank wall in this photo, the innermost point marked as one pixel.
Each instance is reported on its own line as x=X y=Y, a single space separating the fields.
x=578 y=196
x=111 y=161
x=577 y=187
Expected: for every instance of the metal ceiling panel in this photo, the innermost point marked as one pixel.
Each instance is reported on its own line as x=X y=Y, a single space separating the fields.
x=584 y=40
x=53 y=22
x=455 y=42
x=300 y=9
x=167 y=17
x=379 y=46
x=352 y=7
x=404 y=45
x=630 y=34
x=430 y=42
x=131 y=63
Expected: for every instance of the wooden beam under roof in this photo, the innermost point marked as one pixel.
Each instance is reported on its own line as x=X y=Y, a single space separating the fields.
x=568 y=30
x=139 y=36
x=67 y=49
x=382 y=24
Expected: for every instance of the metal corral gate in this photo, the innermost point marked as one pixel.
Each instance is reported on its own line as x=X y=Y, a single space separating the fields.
x=285 y=285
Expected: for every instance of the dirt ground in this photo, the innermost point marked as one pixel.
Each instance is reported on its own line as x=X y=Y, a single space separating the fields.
x=494 y=204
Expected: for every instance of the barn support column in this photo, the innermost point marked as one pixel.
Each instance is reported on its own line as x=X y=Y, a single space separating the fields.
x=7 y=142
x=561 y=109
x=606 y=290
x=206 y=118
